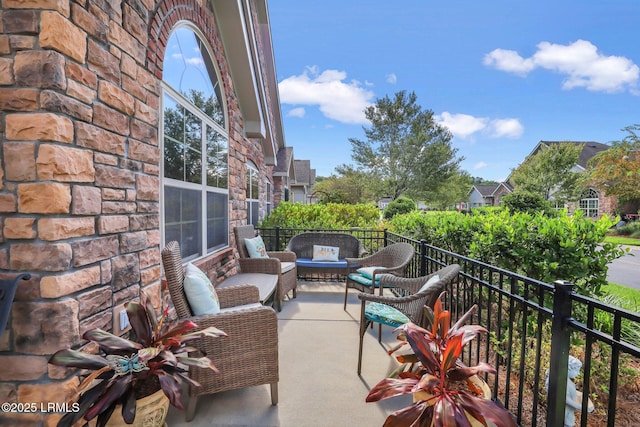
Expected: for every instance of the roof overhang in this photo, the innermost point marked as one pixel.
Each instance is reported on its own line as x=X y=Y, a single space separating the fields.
x=241 y=37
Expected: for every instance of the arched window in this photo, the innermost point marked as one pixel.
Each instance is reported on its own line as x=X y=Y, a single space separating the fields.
x=589 y=203
x=253 y=193
x=195 y=146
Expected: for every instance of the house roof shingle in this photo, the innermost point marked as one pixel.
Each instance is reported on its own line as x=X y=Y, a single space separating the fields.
x=589 y=149
x=303 y=171
x=284 y=157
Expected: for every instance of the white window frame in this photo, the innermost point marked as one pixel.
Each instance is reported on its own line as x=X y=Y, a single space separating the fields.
x=589 y=203
x=253 y=200
x=202 y=187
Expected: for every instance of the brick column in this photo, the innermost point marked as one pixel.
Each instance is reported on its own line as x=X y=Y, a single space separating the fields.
x=79 y=190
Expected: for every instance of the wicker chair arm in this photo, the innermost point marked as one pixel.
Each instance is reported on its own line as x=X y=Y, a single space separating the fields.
x=260 y=265
x=410 y=284
x=284 y=256
x=366 y=261
x=391 y=300
x=233 y=296
x=258 y=317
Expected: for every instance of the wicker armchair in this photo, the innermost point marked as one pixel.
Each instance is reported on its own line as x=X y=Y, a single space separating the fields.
x=395 y=311
x=282 y=263
x=392 y=259
x=248 y=356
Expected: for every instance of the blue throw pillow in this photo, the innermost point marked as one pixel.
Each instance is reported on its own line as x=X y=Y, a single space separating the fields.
x=256 y=247
x=200 y=292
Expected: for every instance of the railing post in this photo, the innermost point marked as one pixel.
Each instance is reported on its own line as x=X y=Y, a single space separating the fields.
x=278 y=238
x=558 y=365
x=386 y=238
x=423 y=257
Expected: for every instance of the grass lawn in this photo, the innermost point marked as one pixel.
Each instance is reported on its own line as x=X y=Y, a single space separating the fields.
x=629 y=298
x=622 y=240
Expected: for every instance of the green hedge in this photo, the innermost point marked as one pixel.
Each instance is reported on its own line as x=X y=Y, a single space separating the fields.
x=538 y=246
x=328 y=216
x=547 y=248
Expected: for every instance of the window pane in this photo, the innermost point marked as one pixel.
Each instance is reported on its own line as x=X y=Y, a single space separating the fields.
x=253 y=218
x=254 y=185
x=189 y=69
x=173 y=139
x=193 y=145
x=182 y=140
x=183 y=219
x=217 y=162
x=217 y=220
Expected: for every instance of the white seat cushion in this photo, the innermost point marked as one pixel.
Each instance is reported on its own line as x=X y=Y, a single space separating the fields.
x=286 y=266
x=240 y=307
x=266 y=283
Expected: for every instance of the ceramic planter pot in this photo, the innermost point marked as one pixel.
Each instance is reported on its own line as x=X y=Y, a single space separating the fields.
x=151 y=411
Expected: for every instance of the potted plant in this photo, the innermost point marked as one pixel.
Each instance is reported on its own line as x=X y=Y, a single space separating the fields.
x=445 y=391
x=153 y=362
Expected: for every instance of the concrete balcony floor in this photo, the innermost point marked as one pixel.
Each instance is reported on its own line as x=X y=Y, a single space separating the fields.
x=319 y=385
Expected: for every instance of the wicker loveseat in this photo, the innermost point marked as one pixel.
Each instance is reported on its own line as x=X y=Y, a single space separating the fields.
x=302 y=245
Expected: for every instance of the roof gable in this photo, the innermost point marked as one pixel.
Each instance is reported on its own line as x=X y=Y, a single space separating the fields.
x=589 y=149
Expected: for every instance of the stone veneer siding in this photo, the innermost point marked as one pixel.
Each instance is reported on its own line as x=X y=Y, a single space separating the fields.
x=79 y=176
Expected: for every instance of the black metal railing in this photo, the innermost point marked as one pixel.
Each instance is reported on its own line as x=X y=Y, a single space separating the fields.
x=533 y=328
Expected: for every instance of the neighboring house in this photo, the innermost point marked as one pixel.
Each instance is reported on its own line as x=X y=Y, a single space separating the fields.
x=383 y=202
x=594 y=203
x=488 y=194
x=283 y=176
x=304 y=182
x=124 y=125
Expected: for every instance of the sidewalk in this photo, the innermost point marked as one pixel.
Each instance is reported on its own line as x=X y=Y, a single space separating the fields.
x=318 y=385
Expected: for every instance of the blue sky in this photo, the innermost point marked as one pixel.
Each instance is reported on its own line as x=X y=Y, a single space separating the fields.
x=501 y=75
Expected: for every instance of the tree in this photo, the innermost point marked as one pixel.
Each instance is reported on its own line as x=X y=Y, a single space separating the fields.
x=451 y=192
x=617 y=170
x=405 y=150
x=549 y=172
x=350 y=186
x=479 y=180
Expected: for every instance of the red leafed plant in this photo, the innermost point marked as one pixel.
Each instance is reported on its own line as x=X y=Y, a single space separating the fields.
x=157 y=357
x=450 y=397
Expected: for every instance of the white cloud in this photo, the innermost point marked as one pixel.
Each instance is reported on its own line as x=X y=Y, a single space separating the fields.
x=465 y=125
x=579 y=61
x=337 y=99
x=296 y=112
x=506 y=128
x=480 y=165
x=194 y=61
x=462 y=125
x=392 y=78
x=509 y=61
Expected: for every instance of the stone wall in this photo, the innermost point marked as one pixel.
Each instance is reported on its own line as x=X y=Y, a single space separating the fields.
x=79 y=176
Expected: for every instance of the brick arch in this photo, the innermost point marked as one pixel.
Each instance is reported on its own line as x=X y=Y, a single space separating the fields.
x=165 y=17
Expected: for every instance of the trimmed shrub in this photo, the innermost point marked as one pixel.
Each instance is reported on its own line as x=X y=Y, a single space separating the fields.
x=328 y=216
x=524 y=201
x=538 y=246
x=401 y=205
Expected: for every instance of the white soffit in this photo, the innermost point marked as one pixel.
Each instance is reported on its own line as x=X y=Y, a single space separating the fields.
x=233 y=18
